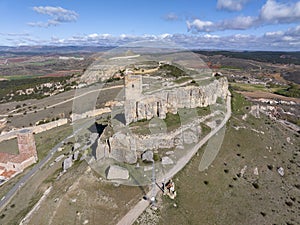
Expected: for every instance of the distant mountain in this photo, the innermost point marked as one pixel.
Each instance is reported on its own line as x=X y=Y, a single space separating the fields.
x=53 y=49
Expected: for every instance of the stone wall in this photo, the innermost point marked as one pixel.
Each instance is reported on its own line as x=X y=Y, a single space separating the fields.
x=162 y=102
x=127 y=147
x=26 y=143
x=92 y=113
x=49 y=126
x=34 y=129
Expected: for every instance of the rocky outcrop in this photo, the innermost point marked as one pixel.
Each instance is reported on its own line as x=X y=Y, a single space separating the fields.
x=166 y=161
x=68 y=162
x=117 y=173
x=122 y=148
x=126 y=147
x=147 y=156
x=162 y=102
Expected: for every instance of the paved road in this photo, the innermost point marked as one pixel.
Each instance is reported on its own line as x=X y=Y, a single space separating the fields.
x=139 y=208
x=11 y=193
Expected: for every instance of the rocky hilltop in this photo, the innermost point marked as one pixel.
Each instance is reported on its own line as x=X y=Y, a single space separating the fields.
x=169 y=101
x=125 y=146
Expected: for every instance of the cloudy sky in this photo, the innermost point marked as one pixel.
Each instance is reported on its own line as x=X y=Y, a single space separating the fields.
x=205 y=24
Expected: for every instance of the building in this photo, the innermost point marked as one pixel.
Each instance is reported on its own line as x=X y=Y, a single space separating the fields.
x=133 y=86
x=12 y=164
x=139 y=105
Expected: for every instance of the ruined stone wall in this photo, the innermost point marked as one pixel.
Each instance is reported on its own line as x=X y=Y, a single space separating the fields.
x=92 y=113
x=26 y=143
x=125 y=147
x=35 y=129
x=28 y=162
x=49 y=126
x=159 y=104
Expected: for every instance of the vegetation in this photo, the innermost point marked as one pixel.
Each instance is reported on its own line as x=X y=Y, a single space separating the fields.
x=172 y=71
x=46 y=142
x=292 y=91
x=205 y=129
x=230 y=67
x=172 y=121
x=222 y=185
x=262 y=56
x=182 y=80
x=8 y=87
x=238 y=103
x=112 y=79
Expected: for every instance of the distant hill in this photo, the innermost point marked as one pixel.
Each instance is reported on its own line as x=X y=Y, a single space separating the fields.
x=52 y=49
x=262 y=56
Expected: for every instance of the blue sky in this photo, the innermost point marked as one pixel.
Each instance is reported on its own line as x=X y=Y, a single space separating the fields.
x=213 y=24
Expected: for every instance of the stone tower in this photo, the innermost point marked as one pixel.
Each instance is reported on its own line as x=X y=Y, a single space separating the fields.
x=26 y=143
x=133 y=92
x=133 y=86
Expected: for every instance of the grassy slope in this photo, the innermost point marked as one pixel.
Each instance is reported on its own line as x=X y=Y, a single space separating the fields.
x=229 y=199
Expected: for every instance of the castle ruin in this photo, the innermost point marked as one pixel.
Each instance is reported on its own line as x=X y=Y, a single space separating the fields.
x=126 y=147
x=140 y=106
x=11 y=164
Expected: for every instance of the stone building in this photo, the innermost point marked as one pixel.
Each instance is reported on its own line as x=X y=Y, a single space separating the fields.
x=11 y=164
x=124 y=146
x=140 y=106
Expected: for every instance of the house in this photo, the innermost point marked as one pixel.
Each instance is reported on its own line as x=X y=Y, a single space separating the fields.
x=12 y=164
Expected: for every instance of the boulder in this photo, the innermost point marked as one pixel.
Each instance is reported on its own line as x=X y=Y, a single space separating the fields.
x=123 y=148
x=169 y=152
x=75 y=155
x=76 y=146
x=102 y=150
x=147 y=156
x=166 y=161
x=117 y=173
x=190 y=137
x=280 y=170
x=67 y=163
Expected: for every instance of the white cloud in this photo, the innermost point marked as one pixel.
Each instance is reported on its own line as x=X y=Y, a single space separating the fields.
x=231 y=5
x=274 y=12
x=209 y=36
x=200 y=25
x=97 y=36
x=171 y=17
x=289 y=37
x=163 y=36
x=238 y=23
x=274 y=33
x=57 y=15
x=14 y=34
x=274 y=40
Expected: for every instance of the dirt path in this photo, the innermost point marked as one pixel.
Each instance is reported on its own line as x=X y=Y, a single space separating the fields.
x=139 y=208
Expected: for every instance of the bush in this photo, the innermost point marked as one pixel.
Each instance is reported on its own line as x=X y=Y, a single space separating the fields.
x=156 y=157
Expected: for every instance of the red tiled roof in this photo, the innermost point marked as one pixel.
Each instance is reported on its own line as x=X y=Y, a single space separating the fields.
x=6 y=157
x=8 y=173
